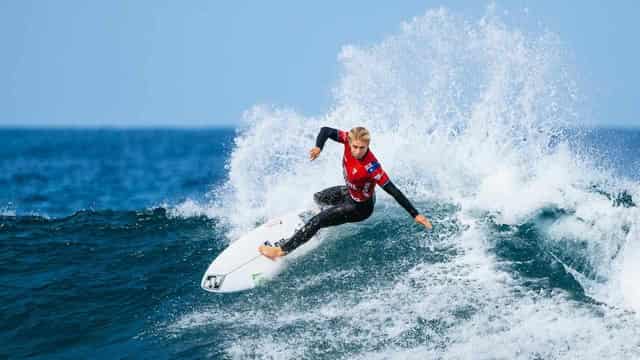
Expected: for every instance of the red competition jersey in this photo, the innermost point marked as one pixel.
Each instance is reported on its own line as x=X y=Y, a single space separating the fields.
x=361 y=175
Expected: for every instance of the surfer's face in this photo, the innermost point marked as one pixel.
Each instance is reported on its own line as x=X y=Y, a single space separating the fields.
x=359 y=148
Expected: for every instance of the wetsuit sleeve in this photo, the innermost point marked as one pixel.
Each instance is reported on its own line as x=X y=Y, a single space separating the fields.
x=392 y=190
x=329 y=133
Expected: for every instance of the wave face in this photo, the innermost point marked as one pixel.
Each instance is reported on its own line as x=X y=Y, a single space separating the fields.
x=534 y=250
x=536 y=227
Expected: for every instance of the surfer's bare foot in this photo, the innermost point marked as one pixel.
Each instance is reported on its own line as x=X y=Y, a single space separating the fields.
x=272 y=252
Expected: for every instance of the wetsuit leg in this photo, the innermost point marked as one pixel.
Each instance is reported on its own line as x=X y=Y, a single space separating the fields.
x=334 y=195
x=348 y=211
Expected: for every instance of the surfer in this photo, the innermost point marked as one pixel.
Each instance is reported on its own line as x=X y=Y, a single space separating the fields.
x=353 y=202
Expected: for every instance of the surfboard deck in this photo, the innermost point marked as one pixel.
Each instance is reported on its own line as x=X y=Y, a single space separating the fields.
x=241 y=267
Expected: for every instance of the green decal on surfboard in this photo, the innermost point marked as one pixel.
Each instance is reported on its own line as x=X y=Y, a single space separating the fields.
x=257 y=278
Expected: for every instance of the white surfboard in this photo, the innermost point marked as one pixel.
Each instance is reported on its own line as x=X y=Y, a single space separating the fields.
x=241 y=267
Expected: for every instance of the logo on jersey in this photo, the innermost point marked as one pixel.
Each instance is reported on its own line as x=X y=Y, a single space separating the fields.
x=372 y=166
x=355 y=170
x=377 y=177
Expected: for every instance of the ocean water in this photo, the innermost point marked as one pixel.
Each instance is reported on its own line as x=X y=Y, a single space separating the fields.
x=105 y=234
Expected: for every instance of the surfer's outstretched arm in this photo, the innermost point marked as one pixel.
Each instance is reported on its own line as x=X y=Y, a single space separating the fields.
x=324 y=134
x=392 y=190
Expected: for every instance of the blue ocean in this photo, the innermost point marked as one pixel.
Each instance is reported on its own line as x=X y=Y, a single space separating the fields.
x=535 y=251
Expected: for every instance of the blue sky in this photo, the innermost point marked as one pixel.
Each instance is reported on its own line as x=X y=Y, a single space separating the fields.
x=202 y=63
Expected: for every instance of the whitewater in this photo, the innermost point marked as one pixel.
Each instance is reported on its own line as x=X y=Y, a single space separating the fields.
x=531 y=256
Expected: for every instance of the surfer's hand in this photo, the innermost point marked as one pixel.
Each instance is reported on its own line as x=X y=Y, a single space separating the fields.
x=421 y=219
x=272 y=252
x=314 y=153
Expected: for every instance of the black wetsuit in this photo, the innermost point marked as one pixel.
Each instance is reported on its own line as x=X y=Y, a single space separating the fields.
x=339 y=207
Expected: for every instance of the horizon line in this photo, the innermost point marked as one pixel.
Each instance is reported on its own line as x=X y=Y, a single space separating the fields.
x=112 y=127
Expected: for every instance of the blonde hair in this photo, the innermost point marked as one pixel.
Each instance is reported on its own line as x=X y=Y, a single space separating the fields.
x=359 y=133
